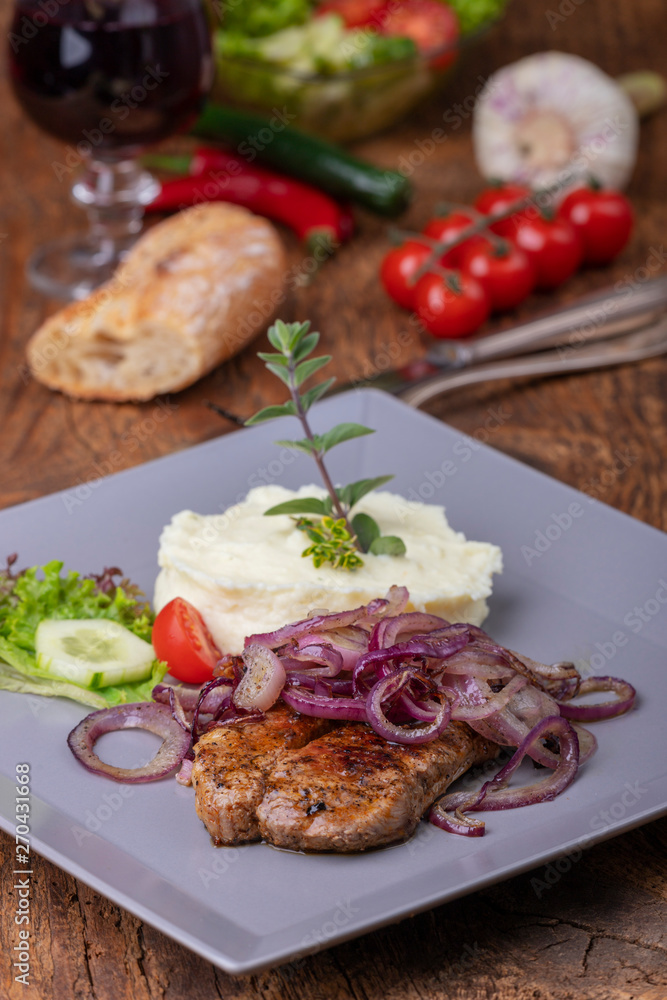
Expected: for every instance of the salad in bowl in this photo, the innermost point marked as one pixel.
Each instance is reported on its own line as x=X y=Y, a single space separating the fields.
x=342 y=68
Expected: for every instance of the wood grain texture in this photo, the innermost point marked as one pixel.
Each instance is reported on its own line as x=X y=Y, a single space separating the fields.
x=599 y=932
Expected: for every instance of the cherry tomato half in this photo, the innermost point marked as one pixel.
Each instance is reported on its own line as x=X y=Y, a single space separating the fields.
x=448 y=227
x=551 y=245
x=499 y=198
x=355 y=13
x=432 y=25
x=451 y=306
x=602 y=219
x=503 y=270
x=182 y=640
x=398 y=267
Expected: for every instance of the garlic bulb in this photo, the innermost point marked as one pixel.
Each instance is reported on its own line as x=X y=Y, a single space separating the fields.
x=555 y=119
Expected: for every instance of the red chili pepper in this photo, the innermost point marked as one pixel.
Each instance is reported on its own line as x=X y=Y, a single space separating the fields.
x=215 y=175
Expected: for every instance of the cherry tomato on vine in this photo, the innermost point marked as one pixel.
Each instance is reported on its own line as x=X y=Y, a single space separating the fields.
x=602 y=219
x=552 y=246
x=182 y=640
x=398 y=267
x=451 y=306
x=502 y=269
x=448 y=227
x=499 y=198
x=432 y=25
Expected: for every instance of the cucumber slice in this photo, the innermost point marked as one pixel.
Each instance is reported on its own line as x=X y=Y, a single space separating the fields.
x=92 y=652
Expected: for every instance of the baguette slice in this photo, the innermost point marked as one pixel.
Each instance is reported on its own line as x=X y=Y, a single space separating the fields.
x=192 y=292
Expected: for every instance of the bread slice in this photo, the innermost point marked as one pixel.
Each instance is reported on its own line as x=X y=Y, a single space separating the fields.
x=192 y=292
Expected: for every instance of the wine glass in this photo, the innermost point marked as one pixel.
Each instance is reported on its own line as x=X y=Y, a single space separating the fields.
x=108 y=77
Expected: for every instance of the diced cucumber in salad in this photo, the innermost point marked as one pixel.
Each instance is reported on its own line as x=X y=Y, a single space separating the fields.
x=321 y=46
x=88 y=639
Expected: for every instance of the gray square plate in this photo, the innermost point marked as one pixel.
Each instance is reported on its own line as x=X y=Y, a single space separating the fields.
x=581 y=582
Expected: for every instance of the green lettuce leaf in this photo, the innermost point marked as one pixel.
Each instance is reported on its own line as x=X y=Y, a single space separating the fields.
x=14 y=680
x=38 y=593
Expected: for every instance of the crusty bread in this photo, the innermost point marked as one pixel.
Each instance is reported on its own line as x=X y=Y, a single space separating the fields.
x=193 y=291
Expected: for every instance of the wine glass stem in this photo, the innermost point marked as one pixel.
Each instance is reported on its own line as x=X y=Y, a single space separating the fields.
x=114 y=195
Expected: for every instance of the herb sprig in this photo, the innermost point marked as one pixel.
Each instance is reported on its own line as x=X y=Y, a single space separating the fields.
x=336 y=538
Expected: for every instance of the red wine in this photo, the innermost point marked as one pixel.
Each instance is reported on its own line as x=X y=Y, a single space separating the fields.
x=113 y=75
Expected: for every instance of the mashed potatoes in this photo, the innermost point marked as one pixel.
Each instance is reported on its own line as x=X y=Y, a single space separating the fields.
x=245 y=573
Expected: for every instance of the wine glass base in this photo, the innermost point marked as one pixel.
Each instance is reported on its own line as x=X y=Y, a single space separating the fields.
x=71 y=267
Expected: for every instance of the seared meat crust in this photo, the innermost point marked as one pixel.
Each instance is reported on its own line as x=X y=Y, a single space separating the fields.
x=351 y=789
x=232 y=762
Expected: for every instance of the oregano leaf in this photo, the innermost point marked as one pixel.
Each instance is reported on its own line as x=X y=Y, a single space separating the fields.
x=303 y=505
x=276 y=359
x=305 y=346
x=366 y=529
x=282 y=373
x=310 y=397
x=274 y=339
x=271 y=412
x=295 y=334
x=355 y=491
x=308 y=368
x=303 y=445
x=388 y=545
x=343 y=432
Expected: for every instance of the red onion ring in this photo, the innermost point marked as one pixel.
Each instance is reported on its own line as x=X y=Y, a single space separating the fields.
x=264 y=678
x=387 y=631
x=470 y=713
x=326 y=661
x=184 y=776
x=560 y=680
x=387 y=688
x=504 y=728
x=209 y=697
x=457 y=822
x=141 y=715
x=495 y=795
x=481 y=665
x=624 y=701
x=308 y=703
x=189 y=696
x=418 y=711
x=310 y=681
x=177 y=712
x=417 y=646
x=587 y=742
x=350 y=642
x=392 y=604
x=230 y=714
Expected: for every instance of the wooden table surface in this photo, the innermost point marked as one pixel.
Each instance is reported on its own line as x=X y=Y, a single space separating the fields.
x=600 y=931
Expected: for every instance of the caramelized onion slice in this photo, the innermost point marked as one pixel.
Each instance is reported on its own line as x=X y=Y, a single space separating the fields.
x=494 y=794
x=263 y=680
x=624 y=701
x=386 y=690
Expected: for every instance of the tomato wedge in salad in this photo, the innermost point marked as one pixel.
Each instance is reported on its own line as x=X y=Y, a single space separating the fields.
x=432 y=25
x=355 y=13
x=182 y=641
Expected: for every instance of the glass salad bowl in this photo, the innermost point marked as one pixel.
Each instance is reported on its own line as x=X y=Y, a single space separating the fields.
x=295 y=72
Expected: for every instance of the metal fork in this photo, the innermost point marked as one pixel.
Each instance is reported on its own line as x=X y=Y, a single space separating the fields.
x=598 y=316
x=648 y=342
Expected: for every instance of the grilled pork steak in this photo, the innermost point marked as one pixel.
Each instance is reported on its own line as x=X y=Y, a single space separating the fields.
x=232 y=762
x=351 y=789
